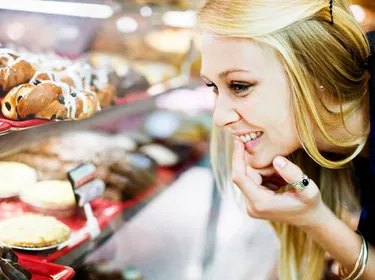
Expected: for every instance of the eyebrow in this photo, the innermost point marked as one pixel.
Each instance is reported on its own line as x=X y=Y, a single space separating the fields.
x=226 y=73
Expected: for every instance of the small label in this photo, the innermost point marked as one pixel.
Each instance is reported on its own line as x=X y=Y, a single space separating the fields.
x=82 y=175
x=90 y=191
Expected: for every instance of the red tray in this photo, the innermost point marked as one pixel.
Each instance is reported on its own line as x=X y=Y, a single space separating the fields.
x=104 y=210
x=4 y=127
x=19 y=125
x=47 y=271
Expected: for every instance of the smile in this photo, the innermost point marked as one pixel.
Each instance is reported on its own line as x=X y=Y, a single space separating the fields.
x=250 y=136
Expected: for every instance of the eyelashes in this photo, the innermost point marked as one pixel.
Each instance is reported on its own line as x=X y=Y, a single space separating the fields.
x=237 y=88
x=214 y=88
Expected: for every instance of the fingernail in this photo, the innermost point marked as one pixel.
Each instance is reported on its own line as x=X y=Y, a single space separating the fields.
x=280 y=162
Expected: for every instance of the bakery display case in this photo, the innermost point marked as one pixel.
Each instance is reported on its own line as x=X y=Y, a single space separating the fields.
x=84 y=145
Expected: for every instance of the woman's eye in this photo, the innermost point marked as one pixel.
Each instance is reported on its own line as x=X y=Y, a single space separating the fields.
x=214 y=88
x=240 y=89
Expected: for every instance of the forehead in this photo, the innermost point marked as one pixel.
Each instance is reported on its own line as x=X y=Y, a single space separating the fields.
x=220 y=53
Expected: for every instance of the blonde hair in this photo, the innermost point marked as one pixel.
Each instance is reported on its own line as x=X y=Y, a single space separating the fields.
x=314 y=52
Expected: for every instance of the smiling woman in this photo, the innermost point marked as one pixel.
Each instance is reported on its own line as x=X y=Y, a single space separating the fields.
x=292 y=94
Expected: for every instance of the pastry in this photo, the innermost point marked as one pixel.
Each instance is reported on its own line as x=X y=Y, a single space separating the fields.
x=48 y=100
x=162 y=155
x=155 y=72
x=14 y=71
x=14 y=176
x=11 y=270
x=53 y=194
x=33 y=231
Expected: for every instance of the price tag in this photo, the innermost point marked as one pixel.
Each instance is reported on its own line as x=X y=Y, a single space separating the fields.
x=82 y=175
x=87 y=187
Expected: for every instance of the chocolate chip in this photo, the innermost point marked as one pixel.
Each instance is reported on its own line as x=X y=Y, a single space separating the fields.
x=37 y=82
x=8 y=106
x=1 y=89
x=19 y=98
x=74 y=94
x=53 y=117
x=61 y=99
x=61 y=118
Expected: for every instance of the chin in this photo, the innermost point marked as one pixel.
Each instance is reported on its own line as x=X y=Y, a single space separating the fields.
x=259 y=161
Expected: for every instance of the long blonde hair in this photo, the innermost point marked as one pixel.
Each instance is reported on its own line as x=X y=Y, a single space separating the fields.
x=314 y=52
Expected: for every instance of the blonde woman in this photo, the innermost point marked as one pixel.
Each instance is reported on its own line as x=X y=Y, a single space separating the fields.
x=292 y=85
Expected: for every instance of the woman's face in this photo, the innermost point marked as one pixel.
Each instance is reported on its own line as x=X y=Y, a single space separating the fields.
x=253 y=98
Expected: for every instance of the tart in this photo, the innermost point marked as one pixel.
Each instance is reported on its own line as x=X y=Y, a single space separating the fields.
x=33 y=231
x=49 y=194
x=14 y=176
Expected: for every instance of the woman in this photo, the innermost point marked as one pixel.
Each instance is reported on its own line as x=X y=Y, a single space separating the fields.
x=292 y=82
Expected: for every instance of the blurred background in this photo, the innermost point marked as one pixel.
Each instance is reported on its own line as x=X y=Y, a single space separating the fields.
x=185 y=232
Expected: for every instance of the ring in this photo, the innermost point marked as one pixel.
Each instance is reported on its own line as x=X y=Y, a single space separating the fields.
x=301 y=184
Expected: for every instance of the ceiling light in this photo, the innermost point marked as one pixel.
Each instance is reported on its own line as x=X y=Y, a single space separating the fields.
x=181 y=19
x=358 y=13
x=126 y=24
x=59 y=8
x=146 y=11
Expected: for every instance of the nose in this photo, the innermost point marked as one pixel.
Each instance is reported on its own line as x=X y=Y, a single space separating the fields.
x=224 y=112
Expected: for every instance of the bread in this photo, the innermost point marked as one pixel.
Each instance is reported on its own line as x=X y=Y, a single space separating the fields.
x=48 y=100
x=14 y=71
x=14 y=176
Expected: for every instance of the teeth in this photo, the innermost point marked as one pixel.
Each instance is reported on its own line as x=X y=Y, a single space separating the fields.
x=249 y=137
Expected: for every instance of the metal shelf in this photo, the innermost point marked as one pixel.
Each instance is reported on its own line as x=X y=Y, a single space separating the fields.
x=15 y=140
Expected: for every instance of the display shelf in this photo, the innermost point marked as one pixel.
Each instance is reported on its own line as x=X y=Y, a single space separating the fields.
x=15 y=137
x=111 y=217
x=47 y=271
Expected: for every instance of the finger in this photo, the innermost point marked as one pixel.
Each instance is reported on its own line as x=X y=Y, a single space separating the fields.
x=291 y=173
x=254 y=175
x=239 y=176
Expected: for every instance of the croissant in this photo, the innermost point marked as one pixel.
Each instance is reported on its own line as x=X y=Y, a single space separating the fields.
x=14 y=71
x=84 y=79
x=48 y=100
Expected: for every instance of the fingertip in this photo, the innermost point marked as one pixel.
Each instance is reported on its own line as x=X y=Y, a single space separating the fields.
x=280 y=162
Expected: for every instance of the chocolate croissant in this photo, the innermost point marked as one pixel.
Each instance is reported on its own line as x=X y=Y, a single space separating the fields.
x=48 y=100
x=14 y=71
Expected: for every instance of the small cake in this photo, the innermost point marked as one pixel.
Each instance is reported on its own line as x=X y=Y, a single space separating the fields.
x=162 y=155
x=33 y=231
x=14 y=176
x=53 y=194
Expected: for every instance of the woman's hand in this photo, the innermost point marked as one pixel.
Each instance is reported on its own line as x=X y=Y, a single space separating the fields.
x=291 y=207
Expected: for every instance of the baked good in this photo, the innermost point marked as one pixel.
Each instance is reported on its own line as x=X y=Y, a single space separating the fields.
x=33 y=231
x=161 y=154
x=48 y=100
x=52 y=194
x=9 y=268
x=14 y=70
x=155 y=72
x=14 y=176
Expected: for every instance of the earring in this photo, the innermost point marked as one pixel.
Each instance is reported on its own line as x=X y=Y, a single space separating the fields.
x=321 y=87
